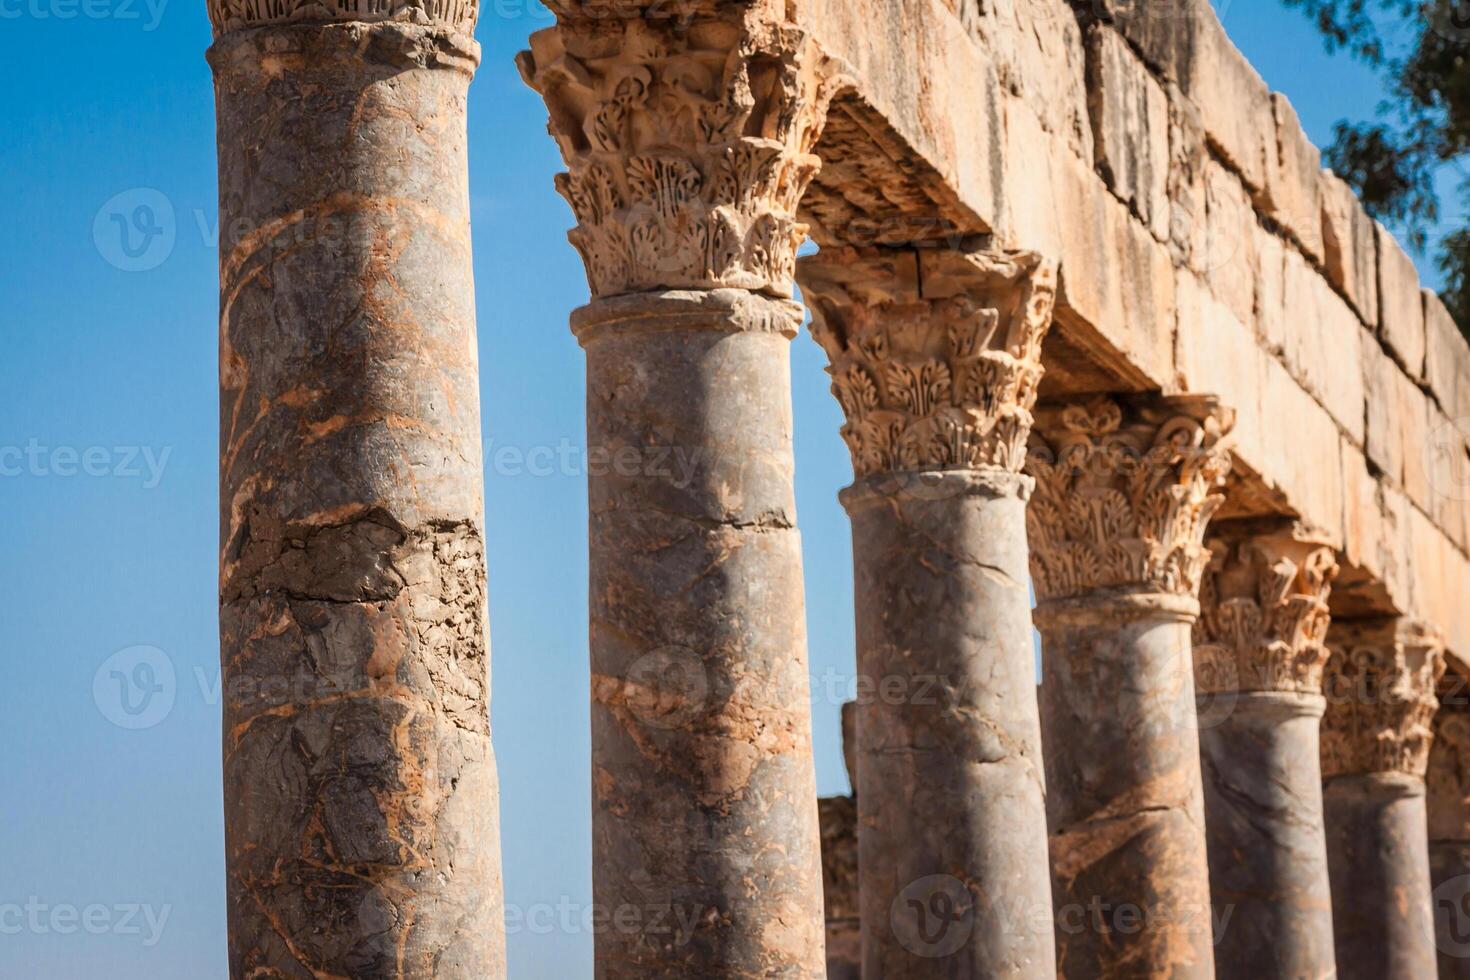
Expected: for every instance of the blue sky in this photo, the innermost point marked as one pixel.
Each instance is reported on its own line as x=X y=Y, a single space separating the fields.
x=110 y=836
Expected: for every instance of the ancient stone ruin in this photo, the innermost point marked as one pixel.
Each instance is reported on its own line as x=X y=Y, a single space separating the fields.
x=1097 y=321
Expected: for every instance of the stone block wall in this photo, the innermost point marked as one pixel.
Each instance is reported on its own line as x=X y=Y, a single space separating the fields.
x=1202 y=248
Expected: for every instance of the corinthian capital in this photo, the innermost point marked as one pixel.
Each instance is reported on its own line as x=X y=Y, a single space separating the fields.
x=1448 y=778
x=688 y=143
x=1380 y=686
x=1124 y=492
x=935 y=354
x=233 y=15
x=1263 y=609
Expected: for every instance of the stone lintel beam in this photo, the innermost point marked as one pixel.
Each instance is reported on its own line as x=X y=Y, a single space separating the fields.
x=1380 y=686
x=1259 y=651
x=1447 y=786
x=360 y=792
x=1124 y=493
x=935 y=359
x=688 y=145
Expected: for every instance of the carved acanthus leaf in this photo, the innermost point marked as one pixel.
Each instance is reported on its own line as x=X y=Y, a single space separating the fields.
x=688 y=143
x=1124 y=493
x=1380 y=686
x=1447 y=782
x=1263 y=610
x=935 y=354
x=234 y=15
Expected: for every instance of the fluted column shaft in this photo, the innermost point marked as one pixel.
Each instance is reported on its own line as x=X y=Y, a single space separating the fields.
x=361 y=802
x=935 y=358
x=1380 y=685
x=1259 y=651
x=688 y=145
x=1123 y=497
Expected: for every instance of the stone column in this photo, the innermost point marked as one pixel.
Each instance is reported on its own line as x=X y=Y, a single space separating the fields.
x=1259 y=650
x=688 y=146
x=1380 y=687
x=361 y=801
x=935 y=357
x=1447 y=791
x=840 y=867
x=1124 y=493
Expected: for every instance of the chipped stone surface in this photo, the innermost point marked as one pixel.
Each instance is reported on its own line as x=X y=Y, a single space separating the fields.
x=1130 y=118
x=1400 y=305
x=1293 y=185
x=1350 y=247
x=1321 y=342
x=361 y=802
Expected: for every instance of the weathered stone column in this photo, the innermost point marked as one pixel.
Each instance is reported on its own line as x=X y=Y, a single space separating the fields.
x=935 y=357
x=840 y=866
x=688 y=145
x=1447 y=791
x=361 y=799
x=1380 y=687
x=1124 y=493
x=1259 y=649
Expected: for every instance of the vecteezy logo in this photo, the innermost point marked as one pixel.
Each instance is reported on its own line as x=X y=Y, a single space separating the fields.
x=135 y=231
x=1452 y=916
x=135 y=688
x=934 y=916
x=667 y=688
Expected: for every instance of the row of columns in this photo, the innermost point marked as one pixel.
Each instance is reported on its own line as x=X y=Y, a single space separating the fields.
x=361 y=812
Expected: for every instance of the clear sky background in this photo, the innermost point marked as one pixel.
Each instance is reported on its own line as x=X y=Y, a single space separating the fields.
x=123 y=826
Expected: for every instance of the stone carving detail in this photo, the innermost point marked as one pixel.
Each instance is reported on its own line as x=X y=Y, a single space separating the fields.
x=1448 y=776
x=1263 y=610
x=234 y=15
x=688 y=145
x=935 y=354
x=1380 y=685
x=1124 y=494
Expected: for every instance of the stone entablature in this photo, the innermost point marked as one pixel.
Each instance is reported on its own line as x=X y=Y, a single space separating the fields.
x=1124 y=493
x=1263 y=609
x=935 y=354
x=688 y=145
x=1380 y=685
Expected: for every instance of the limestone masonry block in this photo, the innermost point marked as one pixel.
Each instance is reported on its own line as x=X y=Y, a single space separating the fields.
x=1349 y=246
x=1300 y=442
x=1322 y=342
x=1218 y=355
x=1186 y=183
x=1400 y=306
x=1384 y=443
x=1038 y=50
x=1130 y=121
x=1447 y=361
x=1235 y=102
x=1294 y=187
x=1230 y=258
x=1163 y=33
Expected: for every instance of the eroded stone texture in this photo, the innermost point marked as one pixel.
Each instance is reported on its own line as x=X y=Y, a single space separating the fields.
x=1124 y=493
x=1380 y=688
x=360 y=789
x=688 y=143
x=935 y=357
x=1259 y=651
x=1447 y=784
